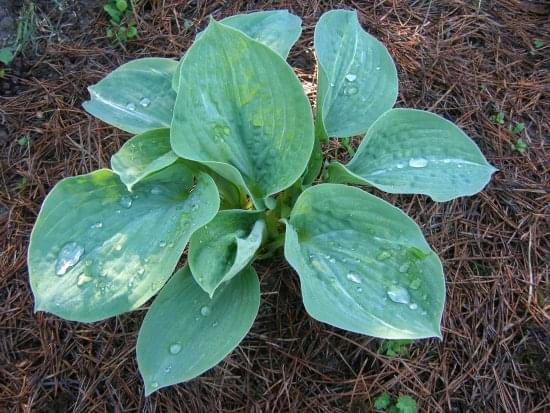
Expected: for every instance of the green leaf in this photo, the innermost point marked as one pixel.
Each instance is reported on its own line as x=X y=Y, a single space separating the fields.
x=406 y=404
x=6 y=55
x=186 y=333
x=142 y=156
x=314 y=165
x=409 y=151
x=97 y=250
x=246 y=117
x=382 y=401
x=136 y=96
x=277 y=29
x=132 y=32
x=364 y=265
x=113 y=12
x=224 y=247
x=357 y=76
x=121 y=5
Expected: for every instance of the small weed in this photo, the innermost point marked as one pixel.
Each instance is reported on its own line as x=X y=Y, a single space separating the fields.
x=123 y=27
x=482 y=87
x=404 y=404
x=519 y=146
x=498 y=118
x=538 y=44
x=23 y=140
x=394 y=348
x=517 y=128
x=21 y=184
x=6 y=55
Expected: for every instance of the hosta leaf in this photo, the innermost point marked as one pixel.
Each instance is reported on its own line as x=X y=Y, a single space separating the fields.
x=357 y=77
x=97 y=250
x=136 y=96
x=277 y=29
x=364 y=265
x=186 y=333
x=144 y=154
x=224 y=247
x=246 y=117
x=409 y=151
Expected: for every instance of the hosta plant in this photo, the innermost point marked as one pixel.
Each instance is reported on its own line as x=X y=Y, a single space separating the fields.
x=227 y=158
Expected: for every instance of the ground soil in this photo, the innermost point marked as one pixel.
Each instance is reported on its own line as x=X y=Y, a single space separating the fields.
x=465 y=60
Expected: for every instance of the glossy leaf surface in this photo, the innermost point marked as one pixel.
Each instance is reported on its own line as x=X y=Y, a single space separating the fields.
x=136 y=96
x=97 y=250
x=277 y=29
x=224 y=247
x=364 y=265
x=248 y=119
x=357 y=79
x=186 y=333
x=410 y=151
x=143 y=155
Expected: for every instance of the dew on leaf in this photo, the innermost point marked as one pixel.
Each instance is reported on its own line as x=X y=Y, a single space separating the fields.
x=141 y=270
x=125 y=202
x=353 y=277
x=131 y=106
x=145 y=102
x=351 y=77
x=156 y=190
x=413 y=306
x=399 y=294
x=83 y=279
x=168 y=368
x=97 y=225
x=205 y=311
x=162 y=243
x=68 y=256
x=418 y=162
x=350 y=90
x=174 y=348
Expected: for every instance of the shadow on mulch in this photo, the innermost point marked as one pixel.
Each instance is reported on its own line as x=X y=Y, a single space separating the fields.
x=456 y=58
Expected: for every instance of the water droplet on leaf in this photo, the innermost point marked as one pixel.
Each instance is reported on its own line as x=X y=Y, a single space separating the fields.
x=97 y=225
x=205 y=311
x=68 y=256
x=83 y=279
x=413 y=306
x=156 y=190
x=350 y=90
x=351 y=77
x=174 y=348
x=145 y=102
x=418 y=162
x=126 y=202
x=131 y=106
x=399 y=294
x=162 y=244
x=354 y=277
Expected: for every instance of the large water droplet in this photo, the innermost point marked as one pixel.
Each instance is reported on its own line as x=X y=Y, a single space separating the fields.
x=145 y=102
x=68 y=256
x=174 y=348
x=351 y=77
x=126 y=202
x=205 y=311
x=131 y=106
x=399 y=294
x=418 y=162
x=97 y=225
x=354 y=277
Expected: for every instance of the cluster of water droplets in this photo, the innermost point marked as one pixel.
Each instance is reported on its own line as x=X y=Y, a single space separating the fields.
x=143 y=102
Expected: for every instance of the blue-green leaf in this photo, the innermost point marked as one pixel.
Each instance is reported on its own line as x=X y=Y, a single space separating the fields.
x=142 y=156
x=357 y=77
x=97 y=250
x=364 y=265
x=136 y=96
x=224 y=247
x=246 y=117
x=409 y=151
x=186 y=333
x=277 y=29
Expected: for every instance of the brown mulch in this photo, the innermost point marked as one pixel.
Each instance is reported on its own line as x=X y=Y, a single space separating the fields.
x=465 y=60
